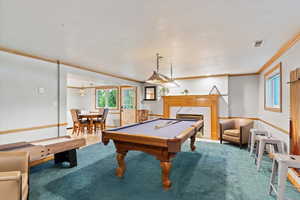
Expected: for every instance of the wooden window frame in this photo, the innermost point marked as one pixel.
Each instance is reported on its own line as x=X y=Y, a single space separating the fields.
x=266 y=76
x=155 y=93
x=108 y=87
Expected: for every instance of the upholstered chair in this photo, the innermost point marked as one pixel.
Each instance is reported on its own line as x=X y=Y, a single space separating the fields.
x=236 y=131
x=14 y=175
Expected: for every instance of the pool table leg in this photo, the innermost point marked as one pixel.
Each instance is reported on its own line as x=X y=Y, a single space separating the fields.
x=193 y=139
x=165 y=169
x=121 y=162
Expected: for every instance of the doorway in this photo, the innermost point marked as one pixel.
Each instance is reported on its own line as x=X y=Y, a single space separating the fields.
x=128 y=106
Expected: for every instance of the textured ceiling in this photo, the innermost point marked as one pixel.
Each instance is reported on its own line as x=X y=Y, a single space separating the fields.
x=122 y=37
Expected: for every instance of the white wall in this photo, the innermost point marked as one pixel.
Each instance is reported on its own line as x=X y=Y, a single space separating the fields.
x=243 y=96
x=87 y=102
x=21 y=105
x=240 y=94
x=201 y=86
x=290 y=61
x=196 y=87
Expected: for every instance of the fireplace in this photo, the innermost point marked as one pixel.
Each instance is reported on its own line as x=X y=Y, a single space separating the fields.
x=191 y=116
x=205 y=105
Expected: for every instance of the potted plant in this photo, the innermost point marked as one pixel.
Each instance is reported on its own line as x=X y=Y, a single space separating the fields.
x=164 y=91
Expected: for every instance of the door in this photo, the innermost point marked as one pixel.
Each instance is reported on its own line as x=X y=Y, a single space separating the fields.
x=295 y=113
x=128 y=105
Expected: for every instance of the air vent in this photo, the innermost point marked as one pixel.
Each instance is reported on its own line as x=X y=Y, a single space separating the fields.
x=258 y=43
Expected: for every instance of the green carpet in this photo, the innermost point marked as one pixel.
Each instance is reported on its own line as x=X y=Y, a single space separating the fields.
x=212 y=172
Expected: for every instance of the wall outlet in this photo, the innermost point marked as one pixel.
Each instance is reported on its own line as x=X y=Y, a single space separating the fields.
x=41 y=91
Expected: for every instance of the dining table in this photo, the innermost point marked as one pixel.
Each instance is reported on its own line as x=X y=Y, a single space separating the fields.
x=90 y=117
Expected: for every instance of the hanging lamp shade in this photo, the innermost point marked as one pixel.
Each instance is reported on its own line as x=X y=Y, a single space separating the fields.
x=81 y=92
x=156 y=78
x=160 y=79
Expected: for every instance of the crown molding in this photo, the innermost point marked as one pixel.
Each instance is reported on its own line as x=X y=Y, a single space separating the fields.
x=244 y=74
x=284 y=48
x=50 y=60
x=216 y=75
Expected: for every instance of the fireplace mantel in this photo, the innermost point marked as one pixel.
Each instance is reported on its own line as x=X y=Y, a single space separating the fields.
x=210 y=101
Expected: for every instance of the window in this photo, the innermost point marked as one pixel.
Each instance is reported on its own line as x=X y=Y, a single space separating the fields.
x=107 y=97
x=273 y=89
x=128 y=96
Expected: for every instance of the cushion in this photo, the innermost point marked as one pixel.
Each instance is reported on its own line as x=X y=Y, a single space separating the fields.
x=231 y=138
x=98 y=121
x=232 y=132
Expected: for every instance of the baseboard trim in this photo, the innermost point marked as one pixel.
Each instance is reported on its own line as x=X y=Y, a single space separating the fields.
x=32 y=128
x=252 y=118
x=274 y=126
x=259 y=119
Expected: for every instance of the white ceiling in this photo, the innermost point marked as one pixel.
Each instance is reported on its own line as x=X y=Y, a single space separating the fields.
x=75 y=80
x=122 y=37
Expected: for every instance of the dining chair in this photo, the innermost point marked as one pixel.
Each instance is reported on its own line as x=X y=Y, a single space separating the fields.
x=78 y=125
x=101 y=122
x=100 y=111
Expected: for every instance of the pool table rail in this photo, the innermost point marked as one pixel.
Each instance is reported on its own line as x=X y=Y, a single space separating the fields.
x=134 y=138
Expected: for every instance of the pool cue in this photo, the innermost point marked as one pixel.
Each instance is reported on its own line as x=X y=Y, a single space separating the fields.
x=167 y=124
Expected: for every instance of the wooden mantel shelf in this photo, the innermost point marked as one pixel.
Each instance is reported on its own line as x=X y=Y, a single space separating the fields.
x=194 y=95
x=211 y=101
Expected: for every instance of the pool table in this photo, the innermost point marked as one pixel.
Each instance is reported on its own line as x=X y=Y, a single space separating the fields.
x=160 y=137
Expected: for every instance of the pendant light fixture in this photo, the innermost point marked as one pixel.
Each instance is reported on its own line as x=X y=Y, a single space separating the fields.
x=171 y=82
x=156 y=77
x=81 y=92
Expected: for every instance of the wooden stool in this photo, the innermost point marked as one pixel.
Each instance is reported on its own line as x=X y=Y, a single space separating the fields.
x=281 y=164
x=262 y=142
x=253 y=137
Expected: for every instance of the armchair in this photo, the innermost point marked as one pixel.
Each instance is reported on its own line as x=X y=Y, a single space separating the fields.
x=14 y=180
x=235 y=131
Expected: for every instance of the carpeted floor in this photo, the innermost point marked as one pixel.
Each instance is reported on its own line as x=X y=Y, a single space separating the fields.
x=212 y=172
